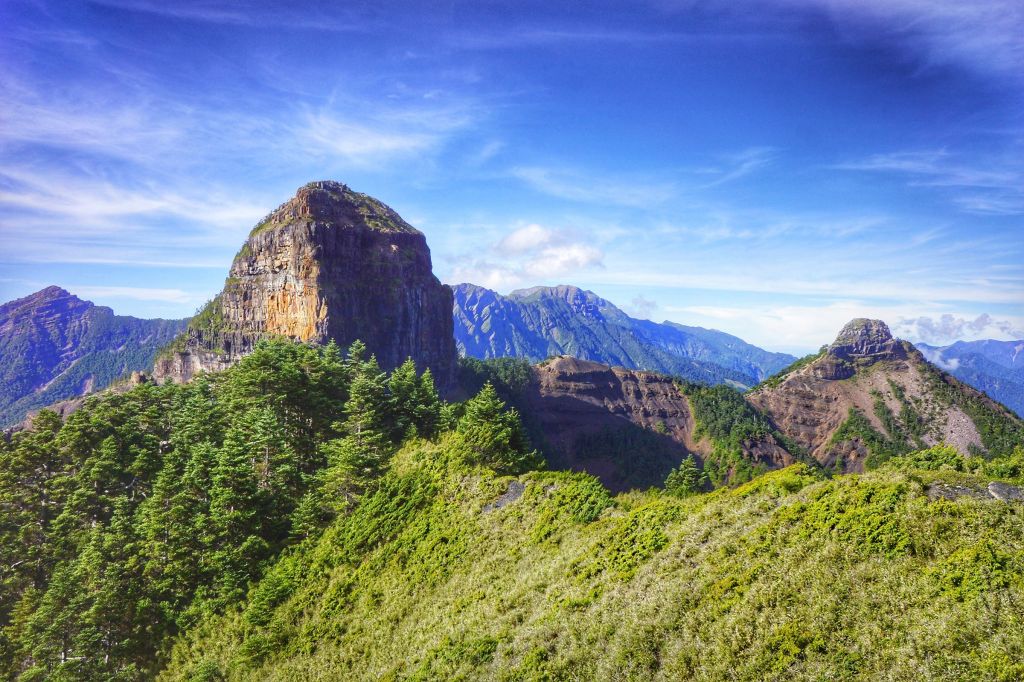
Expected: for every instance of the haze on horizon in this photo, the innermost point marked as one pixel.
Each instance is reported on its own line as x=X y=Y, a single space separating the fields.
x=770 y=169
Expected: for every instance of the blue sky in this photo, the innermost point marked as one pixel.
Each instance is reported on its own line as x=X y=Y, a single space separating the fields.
x=771 y=169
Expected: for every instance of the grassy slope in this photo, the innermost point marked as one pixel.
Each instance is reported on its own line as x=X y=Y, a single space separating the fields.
x=787 y=577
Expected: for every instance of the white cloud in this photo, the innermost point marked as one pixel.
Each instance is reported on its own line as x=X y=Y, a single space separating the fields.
x=525 y=239
x=947 y=328
x=801 y=328
x=935 y=357
x=527 y=254
x=641 y=307
x=791 y=328
x=555 y=261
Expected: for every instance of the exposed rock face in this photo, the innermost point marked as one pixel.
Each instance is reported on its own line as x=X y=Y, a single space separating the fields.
x=626 y=427
x=328 y=264
x=868 y=377
x=55 y=346
x=542 y=322
x=864 y=341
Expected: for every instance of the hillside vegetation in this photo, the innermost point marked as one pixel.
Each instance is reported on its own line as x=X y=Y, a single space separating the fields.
x=304 y=515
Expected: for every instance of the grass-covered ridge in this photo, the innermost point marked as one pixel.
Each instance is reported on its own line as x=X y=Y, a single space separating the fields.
x=787 y=577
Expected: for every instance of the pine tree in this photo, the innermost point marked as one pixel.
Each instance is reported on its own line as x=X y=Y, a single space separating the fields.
x=686 y=479
x=403 y=386
x=494 y=436
x=427 y=411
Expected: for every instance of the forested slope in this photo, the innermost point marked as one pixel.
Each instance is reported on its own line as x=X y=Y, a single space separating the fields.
x=304 y=515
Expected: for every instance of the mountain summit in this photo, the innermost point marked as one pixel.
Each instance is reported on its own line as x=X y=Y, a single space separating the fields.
x=866 y=341
x=56 y=346
x=328 y=264
x=868 y=397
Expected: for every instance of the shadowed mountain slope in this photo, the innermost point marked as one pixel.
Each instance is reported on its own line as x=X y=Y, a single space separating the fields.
x=56 y=346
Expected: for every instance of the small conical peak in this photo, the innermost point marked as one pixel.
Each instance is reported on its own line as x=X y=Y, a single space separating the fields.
x=334 y=203
x=51 y=293
x=865 y=339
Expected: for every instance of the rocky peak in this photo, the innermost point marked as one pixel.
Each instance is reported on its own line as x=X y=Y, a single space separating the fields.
x=336 y=204
x=866 y=341
x=579 y=300
x=42 y=305
x=328 y=264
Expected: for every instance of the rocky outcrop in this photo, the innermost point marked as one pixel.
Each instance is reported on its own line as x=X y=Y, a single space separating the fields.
x=864 y=342
x=55 y=347
x=329 y=264
x=872 y=395
x=628 y=428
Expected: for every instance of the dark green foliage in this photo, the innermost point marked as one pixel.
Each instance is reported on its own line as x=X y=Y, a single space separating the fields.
x=509 y=376
x=642 y=457
x=858 y=427
x=686 y=479
x=729 y=421
x=150 y=510
x=491 y=435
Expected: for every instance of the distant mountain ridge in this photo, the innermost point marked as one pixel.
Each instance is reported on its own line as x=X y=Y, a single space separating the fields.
x=995 y=367
x=542 y=322
x=56 y=346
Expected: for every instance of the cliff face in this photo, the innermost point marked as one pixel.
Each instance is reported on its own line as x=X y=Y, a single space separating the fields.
x=626 y=427
x=540 y=322
x=56 y=346
x=329 y=264
x=869 y=395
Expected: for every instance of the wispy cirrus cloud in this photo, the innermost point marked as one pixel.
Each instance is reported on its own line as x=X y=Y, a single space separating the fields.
x=575 y=185
x=91 y=202
x=378 y=138
x=995 y=188
x=981 y=35
x=259 y=13
x=738 y=165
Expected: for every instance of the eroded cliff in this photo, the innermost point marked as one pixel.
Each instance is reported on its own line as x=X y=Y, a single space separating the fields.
x=329 y=264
